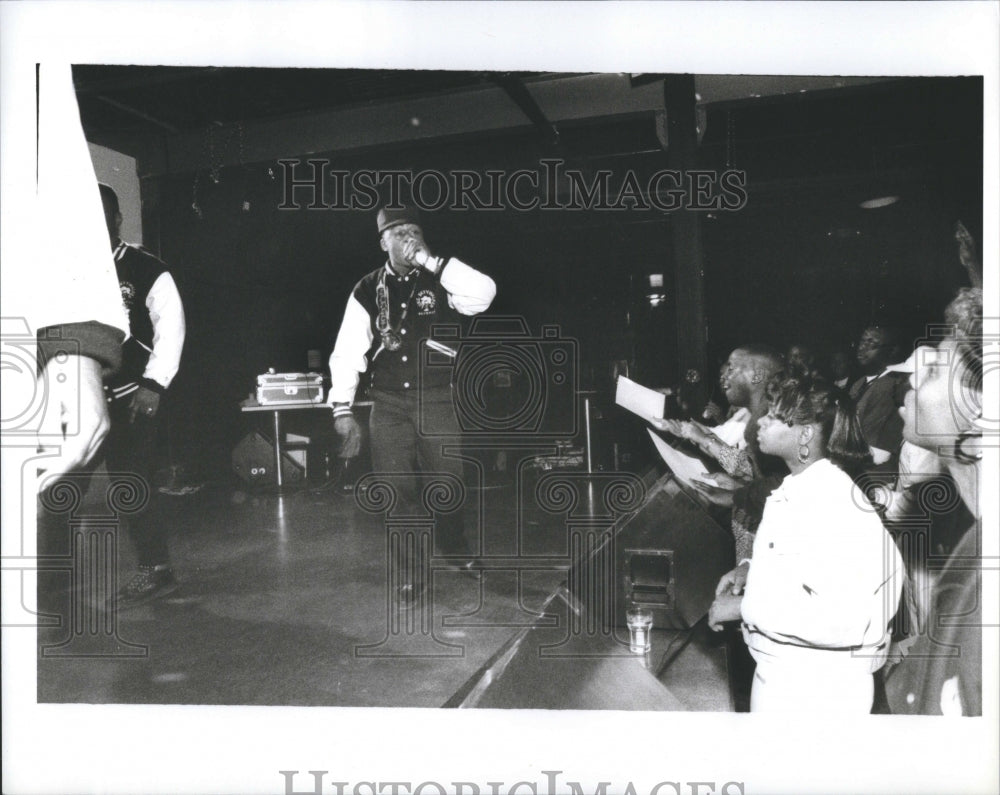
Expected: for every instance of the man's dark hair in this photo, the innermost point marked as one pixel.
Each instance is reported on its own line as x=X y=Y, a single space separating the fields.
x=893 y=339
x=765 y=355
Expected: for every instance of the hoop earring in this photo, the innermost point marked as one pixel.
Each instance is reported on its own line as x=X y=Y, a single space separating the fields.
x=959 y=452
x=804 y=452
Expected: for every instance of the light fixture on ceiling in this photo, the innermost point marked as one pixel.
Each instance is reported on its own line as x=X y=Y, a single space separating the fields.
x=876 y=203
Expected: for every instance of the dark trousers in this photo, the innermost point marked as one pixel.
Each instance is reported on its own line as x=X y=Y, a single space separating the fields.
x=129 y=449
x=406 y=447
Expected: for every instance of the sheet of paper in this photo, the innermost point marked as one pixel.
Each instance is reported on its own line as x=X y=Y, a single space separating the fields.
x=639 y=399
x=685 y=468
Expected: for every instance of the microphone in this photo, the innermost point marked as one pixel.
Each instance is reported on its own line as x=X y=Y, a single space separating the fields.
x=425 y=260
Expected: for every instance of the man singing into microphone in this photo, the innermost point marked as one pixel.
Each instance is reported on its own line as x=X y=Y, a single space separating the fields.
x=389 y=313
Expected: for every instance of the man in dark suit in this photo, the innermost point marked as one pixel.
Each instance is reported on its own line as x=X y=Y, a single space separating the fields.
x=879 y=394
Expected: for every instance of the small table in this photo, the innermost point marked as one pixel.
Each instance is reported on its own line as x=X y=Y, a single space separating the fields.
x=249 y=406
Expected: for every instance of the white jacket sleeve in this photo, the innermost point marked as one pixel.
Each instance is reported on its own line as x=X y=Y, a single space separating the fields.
x=469 y=291
x=167 y=314
x=57 y=262
x=348 y=361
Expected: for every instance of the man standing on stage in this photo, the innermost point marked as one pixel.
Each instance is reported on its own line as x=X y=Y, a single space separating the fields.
x=151 y=357
x=390 y=311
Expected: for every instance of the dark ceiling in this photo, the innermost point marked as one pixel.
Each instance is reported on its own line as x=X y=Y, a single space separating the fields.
x=786 y=131
x=142 y=99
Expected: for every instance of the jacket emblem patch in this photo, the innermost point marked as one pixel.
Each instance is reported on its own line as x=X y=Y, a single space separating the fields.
x=426 y=302
x=128 y=294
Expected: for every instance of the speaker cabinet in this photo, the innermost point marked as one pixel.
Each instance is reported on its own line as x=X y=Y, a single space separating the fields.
x=253 y=461
x=667 y=556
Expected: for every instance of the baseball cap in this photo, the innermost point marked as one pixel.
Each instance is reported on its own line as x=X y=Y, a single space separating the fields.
x=389 y=217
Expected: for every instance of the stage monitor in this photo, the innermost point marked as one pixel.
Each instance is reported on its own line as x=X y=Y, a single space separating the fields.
x=668 y=556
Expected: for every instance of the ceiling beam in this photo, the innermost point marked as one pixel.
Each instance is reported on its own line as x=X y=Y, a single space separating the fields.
x=137 y=113
x=481 y=110
x=138 y=77
x=517 y=91
x=545 y=101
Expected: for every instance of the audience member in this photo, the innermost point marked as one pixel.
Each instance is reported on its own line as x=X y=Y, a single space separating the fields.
x=744 y=384
x=717 y=410
x=825 y=576
x=878 y=394
x=800 y=359
x=942 y=674
x=840 y=367
x=750 y=475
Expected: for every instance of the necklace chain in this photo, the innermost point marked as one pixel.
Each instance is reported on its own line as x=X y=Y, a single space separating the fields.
x=390 y=336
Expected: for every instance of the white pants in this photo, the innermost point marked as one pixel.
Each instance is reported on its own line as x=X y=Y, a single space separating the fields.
x=793 y=686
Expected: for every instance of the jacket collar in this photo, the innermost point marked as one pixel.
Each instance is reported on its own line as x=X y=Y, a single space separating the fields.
x=803 y=483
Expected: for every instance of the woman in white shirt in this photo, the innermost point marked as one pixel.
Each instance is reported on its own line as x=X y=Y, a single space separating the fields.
x=825 y=577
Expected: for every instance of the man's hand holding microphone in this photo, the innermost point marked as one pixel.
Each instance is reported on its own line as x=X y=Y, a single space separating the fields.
x=415 y=251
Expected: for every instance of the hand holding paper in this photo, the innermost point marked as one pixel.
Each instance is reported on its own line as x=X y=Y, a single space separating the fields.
x=640 y=400
x=716 y=488
x=673 y=427
x=685 y=468
x=719 y=480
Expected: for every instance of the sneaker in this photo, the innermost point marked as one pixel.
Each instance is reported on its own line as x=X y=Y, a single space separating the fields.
x=149 y=584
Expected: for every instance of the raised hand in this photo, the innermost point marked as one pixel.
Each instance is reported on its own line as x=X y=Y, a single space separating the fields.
x=968 y=254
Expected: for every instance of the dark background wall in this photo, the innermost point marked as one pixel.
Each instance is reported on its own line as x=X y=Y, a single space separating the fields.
x=800 y=262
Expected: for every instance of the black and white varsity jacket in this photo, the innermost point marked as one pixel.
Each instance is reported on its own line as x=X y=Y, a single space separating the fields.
x=417 y=302
x=151 y=356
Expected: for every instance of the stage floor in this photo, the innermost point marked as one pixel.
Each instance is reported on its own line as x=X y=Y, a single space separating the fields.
x=284 y=601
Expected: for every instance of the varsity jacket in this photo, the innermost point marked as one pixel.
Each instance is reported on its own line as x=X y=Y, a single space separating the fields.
x=151 y=355
x=417 y=306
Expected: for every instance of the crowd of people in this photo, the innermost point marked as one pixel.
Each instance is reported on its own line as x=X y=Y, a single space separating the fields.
x=820 y=473
x=838 y=587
